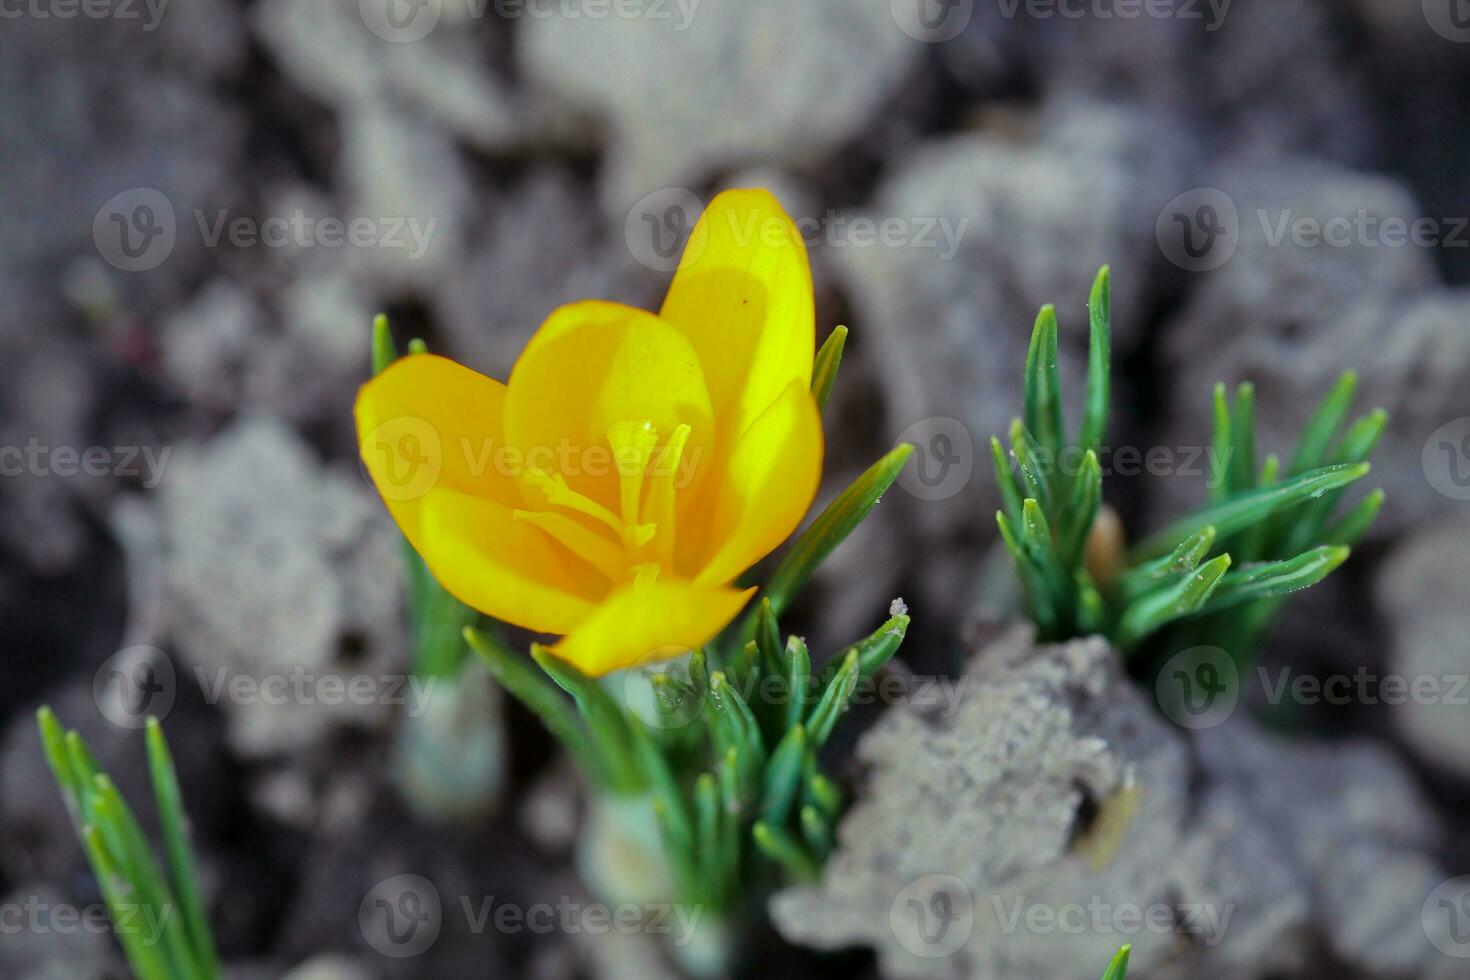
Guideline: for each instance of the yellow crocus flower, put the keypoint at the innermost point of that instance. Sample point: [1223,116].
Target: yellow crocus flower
[634,464]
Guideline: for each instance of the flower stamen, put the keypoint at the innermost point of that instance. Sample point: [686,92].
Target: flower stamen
[593,548]
[632,446]
[659,507]
[558,494]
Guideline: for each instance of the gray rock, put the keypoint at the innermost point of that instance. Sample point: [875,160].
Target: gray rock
[1423,590]
[407,176]
[1291,317]
[279,569]
[1056,815]
[773,97]
[49,937]
[328,49]
[162,132]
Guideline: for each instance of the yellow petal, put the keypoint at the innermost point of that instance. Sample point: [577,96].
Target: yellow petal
[768,484]
[492,562]
[427,421]
[649,622]
[594,366]
[743,297]
[429,432]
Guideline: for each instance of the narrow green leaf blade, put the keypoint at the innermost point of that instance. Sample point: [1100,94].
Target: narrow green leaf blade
[183,869]
[832,527]
[782,848]
[1099,362]
[1222,447]
[833,701]
[1355,523]
[543,700]
[1276,578]
[1171,602]
[1118,969]
[1311,450]
[783,776]
[1005,480]
[385,352]
[824,371]
[1042,391]
[1241,511]
[1242,466]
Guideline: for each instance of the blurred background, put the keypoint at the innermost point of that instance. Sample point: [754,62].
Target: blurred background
[204,202]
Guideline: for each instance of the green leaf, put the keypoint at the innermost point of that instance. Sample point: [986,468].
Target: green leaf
[1099,362]
[1171,602]
[1276,578]
[1222,448]
[783,776]
[147,960]
[664,788]
[824,371]
[1036,469]
[880,647]
[816,832]
[1242,467]
[1005,479]
[798,674]
[768,638]
[127,841]
[183,870]
[1080,512]
[1037,540]
[1182,560]
[53,743]
[417,346]
[543,700]
[1251,544]
[822,793]
[833,701]
[385,352]
[1043,606]
[1356,445]
[1355,523]
[1242,510]
[832,527]
[1311,450]
[1118,970]
[730,710]
[1042,392]
[707,825]
[782,848]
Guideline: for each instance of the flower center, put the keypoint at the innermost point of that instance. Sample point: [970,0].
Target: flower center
[637,540]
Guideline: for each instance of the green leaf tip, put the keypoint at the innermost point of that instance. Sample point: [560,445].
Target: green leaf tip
[383,348]
[829,359]
[1118,969]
